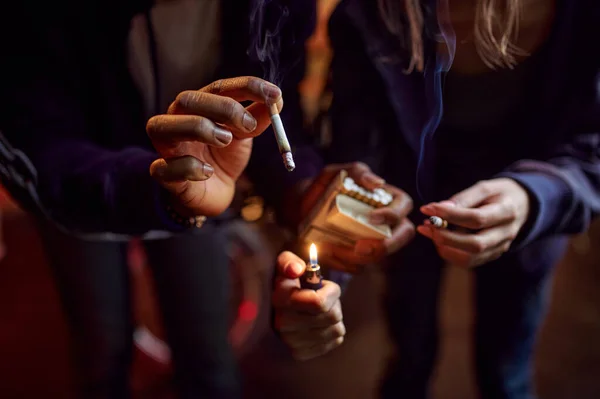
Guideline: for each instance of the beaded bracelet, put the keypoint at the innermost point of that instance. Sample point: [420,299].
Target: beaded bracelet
[187,222]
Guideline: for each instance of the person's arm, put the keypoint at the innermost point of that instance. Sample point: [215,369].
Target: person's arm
[45,110]
[565,189]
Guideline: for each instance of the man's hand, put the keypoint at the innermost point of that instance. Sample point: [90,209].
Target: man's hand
[493,210]
[394,215]
[205,141]
[310,322]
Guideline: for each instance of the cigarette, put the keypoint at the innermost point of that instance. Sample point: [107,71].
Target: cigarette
[438,222]
[281,138]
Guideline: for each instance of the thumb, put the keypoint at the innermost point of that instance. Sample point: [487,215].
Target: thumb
[290,265]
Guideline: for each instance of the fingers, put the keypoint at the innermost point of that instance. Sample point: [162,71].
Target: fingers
[171,130]
[180,169]
[401,236]
[486,216]
[476,194]
[473,243]
[223,110]
[397,210]
[310,322]
[288,297]
[457,257]
[246,88]
[290,265]
[295,321]
[306,338]
[304,354]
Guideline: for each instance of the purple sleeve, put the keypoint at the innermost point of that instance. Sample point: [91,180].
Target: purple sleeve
[565,190]
[81,185]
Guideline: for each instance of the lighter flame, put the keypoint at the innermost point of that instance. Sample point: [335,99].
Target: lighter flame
[313,254]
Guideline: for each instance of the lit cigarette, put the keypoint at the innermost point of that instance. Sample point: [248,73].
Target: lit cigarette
[282,141]
[438,222]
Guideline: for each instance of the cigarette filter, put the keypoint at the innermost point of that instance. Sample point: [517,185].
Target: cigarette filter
[438,222]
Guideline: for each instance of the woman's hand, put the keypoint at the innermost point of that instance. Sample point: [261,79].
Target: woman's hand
[309,322]
[205,141]
[364,251]
[493,210]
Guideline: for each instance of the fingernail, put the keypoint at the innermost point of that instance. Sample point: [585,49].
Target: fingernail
[207,170]
[271,92]
[223,136]
[448,203]
[376,219]
[293,270]
[249,122]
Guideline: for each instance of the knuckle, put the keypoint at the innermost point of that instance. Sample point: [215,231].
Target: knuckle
[215,87]
[335,315]
[510,209]
[478,245]
[321,305]
[484,187]
[153,124]
[192,164]
[479,220]
[232,109]
[204,126]
[339,330]
[186,98]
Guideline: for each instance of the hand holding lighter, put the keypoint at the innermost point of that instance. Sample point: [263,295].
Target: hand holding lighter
[312,278]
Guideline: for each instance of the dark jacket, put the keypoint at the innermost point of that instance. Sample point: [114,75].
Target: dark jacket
[69,103]
[381,113]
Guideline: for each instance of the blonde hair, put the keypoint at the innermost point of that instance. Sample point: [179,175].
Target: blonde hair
[494,32]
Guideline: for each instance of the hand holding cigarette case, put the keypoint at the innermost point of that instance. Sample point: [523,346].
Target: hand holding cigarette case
[341,215]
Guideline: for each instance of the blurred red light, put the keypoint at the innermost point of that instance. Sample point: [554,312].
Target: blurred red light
[247,311]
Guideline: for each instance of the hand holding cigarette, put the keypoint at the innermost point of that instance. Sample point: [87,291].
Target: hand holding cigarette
[309,321]
[204,141]
[488,217]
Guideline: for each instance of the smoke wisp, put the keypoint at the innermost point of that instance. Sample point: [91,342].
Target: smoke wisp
[267,20]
